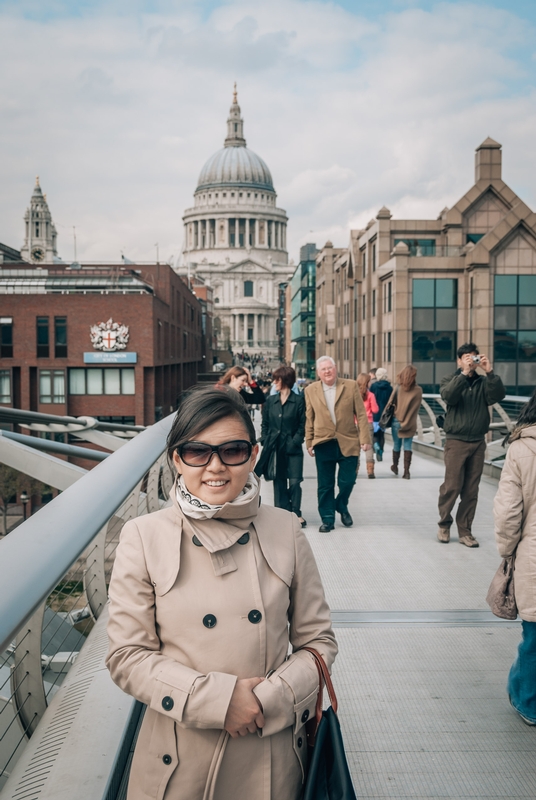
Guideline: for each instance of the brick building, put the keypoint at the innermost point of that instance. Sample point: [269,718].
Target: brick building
[111,341]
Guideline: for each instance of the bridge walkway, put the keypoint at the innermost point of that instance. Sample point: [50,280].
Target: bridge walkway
[423,664]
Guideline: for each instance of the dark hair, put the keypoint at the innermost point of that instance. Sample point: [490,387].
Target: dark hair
[286,375]
[527,415]
[201,407]
[406,377]
[466,349]
[234,372]
[373,370]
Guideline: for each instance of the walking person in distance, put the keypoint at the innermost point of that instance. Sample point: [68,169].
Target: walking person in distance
[371,407]
[406,399]
[515,534]
[468,396]
[382,390]
[333,406]
[283,430]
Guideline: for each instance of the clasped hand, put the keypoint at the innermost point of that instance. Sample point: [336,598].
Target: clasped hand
[244,714]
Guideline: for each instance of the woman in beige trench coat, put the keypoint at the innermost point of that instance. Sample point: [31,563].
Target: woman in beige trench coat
[515,533]
[205,598]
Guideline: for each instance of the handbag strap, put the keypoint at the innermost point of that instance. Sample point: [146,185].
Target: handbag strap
[323,677]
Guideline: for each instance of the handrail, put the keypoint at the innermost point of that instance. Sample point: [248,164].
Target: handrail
[48,446]
[45,546]
[20,415]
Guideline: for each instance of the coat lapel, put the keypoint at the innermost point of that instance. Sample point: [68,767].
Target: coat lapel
[339,390]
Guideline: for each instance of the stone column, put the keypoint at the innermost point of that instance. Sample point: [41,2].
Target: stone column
[246,234]
[255,331]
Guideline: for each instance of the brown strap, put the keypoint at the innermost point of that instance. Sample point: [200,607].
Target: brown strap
[323,677]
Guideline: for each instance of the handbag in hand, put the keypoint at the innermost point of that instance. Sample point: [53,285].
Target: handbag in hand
[386,419]
[501,596]
[328,776]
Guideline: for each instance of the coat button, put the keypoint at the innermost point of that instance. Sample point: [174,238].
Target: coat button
[167,759]
[196,541]
[244,539]
[167,703]
[299,742]
[254,616]
[305,716]
[209,621]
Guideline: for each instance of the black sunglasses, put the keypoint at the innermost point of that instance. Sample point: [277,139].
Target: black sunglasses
[232,454]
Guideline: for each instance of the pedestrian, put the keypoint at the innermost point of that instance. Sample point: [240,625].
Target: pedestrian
[371,407]
[283,431]
[372,375]
[382,390]
[468,396]
[206,597]
[406,398]
[239,378]
[515,534]
[333,407]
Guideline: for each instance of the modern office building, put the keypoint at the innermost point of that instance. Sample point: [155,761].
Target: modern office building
[302,310]
[412,291]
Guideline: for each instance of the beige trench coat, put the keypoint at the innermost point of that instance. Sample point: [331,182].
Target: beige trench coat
[515,518]
[185,624]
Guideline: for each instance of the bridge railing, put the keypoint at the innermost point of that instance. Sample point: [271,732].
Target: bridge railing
[54,576]
[502,420]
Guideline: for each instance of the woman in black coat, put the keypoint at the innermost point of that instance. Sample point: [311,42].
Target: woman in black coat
[283,429]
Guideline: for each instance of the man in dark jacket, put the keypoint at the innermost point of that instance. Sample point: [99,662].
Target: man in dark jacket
[468,396]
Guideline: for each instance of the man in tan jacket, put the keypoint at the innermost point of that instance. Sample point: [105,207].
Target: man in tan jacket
[332,436]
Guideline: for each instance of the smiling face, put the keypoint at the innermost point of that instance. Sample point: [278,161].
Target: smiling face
[218,483]
[238,382]
[327,372]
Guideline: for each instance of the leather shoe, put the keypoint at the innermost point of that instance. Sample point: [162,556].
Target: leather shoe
[326,527]
[346,519]
[469,541]
[443,535]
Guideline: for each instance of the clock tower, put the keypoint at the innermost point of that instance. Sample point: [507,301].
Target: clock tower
[40,240]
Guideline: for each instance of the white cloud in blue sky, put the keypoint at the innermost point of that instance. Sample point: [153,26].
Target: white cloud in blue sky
[117,105]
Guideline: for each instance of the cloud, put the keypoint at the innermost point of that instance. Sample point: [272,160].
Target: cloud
[118,108]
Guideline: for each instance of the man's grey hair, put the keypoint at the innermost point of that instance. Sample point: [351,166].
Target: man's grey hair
[324,358]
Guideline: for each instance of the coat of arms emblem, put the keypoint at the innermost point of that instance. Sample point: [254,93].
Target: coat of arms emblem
[109,336]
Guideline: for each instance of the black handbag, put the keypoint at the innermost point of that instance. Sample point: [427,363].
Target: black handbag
[328,776]
[386,419]
[271,466]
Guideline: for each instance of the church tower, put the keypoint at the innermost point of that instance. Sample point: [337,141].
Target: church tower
[40,233]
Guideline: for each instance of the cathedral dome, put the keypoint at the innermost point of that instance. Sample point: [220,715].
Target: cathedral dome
[235,166]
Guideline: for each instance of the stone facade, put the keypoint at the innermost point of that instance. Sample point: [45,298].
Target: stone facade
[235,240]
[412,291]
[40,233]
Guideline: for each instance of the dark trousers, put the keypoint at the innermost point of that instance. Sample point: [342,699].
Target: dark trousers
[464,462]
[379,437]
[288,491]
[328,455]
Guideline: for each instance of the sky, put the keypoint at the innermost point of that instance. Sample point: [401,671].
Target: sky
[353,104]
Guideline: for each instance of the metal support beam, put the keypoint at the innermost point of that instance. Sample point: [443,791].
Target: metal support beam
[48,446]
[47,469]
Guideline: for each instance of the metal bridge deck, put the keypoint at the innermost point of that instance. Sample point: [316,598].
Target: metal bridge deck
[422,691]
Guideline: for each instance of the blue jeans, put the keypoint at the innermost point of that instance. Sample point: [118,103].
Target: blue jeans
[521,682]
[397,440]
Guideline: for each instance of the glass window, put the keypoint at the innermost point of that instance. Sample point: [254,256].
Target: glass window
[423,293]
[527,345]
[60,337]
[423,319]
[248,288]
[527,318]
[51,386]
[527,290]
[419,247]
[445,346]
[505,345]
[473,237]
[446,319]
[94,381]
[58,386]
[425,372]
[527,377]
[45,386]
[5,386]
[127,381]
[505,290]
[77,381]
[506,318]
[42,337]
[6,337]
[423,346]
[507,372]
[443,368]
[446,291]
[112,383]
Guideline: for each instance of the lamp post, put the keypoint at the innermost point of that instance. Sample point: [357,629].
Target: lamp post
[24,500]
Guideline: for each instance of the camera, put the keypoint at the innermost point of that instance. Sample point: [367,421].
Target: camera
[476,359]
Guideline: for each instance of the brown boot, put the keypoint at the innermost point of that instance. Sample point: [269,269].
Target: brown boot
[370,469]
[396,459]
[407,464]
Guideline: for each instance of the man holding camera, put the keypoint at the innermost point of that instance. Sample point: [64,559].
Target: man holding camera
[468,396]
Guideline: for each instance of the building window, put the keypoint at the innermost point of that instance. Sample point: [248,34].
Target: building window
[374,257]
[387,298]
[364,263]
[5,386]
[60,337]
[419,247]
[373,353]
[6,337]
[52,386]
[42,337]
[96,380]
[364,314]
[248,288]
[435,325]
[515,332]
[346,347]
[473,237]
[387,347]
[374,302]
[363,348]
